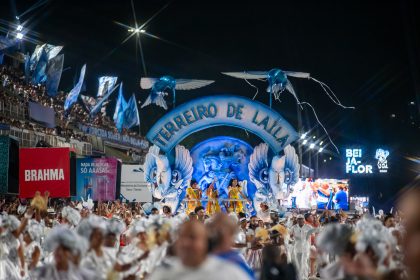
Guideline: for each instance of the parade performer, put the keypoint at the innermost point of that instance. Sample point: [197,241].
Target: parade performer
[9,266]
[300,234]
[193,194]
[235,195]
[32,248]
[213,200]
[67,246]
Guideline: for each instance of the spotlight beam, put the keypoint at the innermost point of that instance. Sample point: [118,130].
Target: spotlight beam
[33,7]
[142,57]
[134,13]
[155,15]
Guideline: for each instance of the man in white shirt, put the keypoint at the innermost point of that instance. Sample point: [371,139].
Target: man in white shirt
[193,261]
[300,235]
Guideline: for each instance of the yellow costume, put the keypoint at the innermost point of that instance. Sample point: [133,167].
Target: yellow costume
[235,193]
[195,196]
[213,204]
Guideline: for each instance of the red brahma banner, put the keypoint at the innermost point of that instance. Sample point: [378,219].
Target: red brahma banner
[44,169]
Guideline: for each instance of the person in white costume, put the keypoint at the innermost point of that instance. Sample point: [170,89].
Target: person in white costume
[193,261]
[67,247]
[300,236]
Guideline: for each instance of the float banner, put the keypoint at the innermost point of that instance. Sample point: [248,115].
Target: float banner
[4,163]
[44,169]
[96,178]
[133,185]
[222,110]
[42,114]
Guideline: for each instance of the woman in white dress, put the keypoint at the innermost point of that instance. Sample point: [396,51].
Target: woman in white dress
[31,246]
[8,269]
[67,247]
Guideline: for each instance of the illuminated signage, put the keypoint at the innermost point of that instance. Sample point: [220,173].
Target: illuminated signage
[360,161]
[381,155]
[354,163]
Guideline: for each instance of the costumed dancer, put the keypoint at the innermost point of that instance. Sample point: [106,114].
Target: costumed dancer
[8,269]
[213,200]
[115,227]
[70,217]
[235,195]
[104,265]
[300,234]
[68,247]
[159,239]
[193,194]
[31,242]
[14,228]
[254,240]
[137,250]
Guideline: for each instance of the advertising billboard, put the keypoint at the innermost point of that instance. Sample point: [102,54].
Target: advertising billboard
[44,169]
[133,185]
[96,178]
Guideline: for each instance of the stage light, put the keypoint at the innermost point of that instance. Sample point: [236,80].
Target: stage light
[19,28]
[325,160]
[311,146]
[303,136]
[17,17]
[304,142]
[136,30]
[412,103]
[330,158]
[19,36]
[314,137]
[322,142]
[321,149]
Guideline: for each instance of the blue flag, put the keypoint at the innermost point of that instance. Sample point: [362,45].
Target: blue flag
[131,113]
[98,105]
[106,83]
[36,55]
[55,68]
[27,72]
[121,104]
[74,93]
[39,75]
[39,60]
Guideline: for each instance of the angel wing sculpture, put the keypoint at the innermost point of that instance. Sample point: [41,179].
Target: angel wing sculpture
[277,79]
[161,86]
[273,181]
[258,173]
[166,182]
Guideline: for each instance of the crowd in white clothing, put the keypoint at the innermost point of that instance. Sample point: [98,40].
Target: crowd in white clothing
[122,241]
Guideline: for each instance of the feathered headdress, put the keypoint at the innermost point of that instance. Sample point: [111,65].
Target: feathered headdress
[40,202]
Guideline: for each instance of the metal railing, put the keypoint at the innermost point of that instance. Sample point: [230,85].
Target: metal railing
[226,202]
[13,111]
[28,139]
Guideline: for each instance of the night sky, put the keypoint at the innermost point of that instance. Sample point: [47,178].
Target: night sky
[366,51]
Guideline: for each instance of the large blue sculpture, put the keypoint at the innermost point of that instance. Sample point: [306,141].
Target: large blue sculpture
[265,176]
